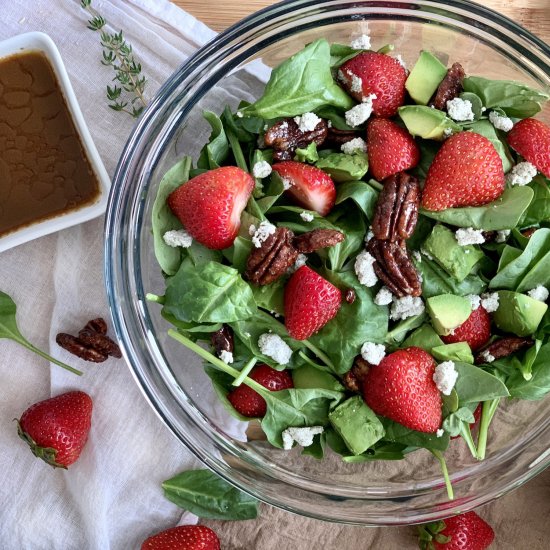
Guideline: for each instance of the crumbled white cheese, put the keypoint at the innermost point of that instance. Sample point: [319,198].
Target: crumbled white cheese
[261,169]
[226,356]
[440,432]
[329,123]
[262,233]
[272,345]
[302,436]
[408,306]
[487,357]
[301,260]
[239,114]
[178,237]
[401,61]
[364,269]
[445,377]
[287,183]
[373,353]
[500,122]
[307,216]
[369,235]
[361,42]
[417,256]
[502,235]
[353,146]
[426,253]
[475,300]
[448,132]
[489,301]
[522,174]
[539,293]
[307,122]
[384,297]
[360,113]
[460,109]
[356,84]
[469,235]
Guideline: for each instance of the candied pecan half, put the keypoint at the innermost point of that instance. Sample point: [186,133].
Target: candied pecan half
[396,211]
[99,342]
[97,325]
[285,137]
[73,345]
[353,379]
[222,339]
[502,348]
[339,137]
[272,260]
[317,239]
[450,87]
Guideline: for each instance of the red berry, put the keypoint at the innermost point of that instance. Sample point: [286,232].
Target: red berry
[475,331]
[310,303]
[467,171]
[380,75]
[185,537]
[401,388]
[531,139]
[210,205]
[57,429]
[250,403]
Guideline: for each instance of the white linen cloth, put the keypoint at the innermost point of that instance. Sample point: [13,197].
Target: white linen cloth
[111,497]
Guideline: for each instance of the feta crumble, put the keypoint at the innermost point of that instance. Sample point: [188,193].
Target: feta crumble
[502,235]
[361,42]
[408,306]
[475,300]
[364,269]
[262,233]
[360,113]
[354,145]
[226,356]
[539,293]
[301,260]
[307,216]
[460,110]
[487,357]
[272,345]
[287,184]
[302,436]
[356,84]
[373,353]
[369,235]
[384,297]
[522,174]
[261,169]
[401,61]
[239,114]
[489,301]
[178,237]
[440,432]
[307,122]
[445,377]
[448,132]
[468,235]
[500,122]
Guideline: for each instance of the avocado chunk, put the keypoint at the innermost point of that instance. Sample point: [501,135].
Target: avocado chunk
[518,313]
[342,167]
[448,312]
[459,351]
[308,377]
[357,425]
[458,261]
[424,338]
[426,122]
[425,77]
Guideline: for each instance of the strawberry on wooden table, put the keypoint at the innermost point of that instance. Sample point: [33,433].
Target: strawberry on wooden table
[210,205]
[57,429]
[467,171]
[531,139]
[475,331]
[184,537]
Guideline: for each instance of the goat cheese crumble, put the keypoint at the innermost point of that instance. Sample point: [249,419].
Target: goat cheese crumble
[489,301]
[460,110]
[440,432]
[424,252]
[373,353]
[417,256]
[384,297]
[261,169]
[500,122]
[539,293]
[178,237]
[226,356]
[445,377]
[522,174]
[401,62]
[272,345]
[468,235]
[354,145]
[475,300]
[302,436]
[502,235]
[361,42]
[301,260]
[487,357]
[287,184]
[262,233]
[360,113]
[364,269]
[307,122]
[356,84]
[369,235]
[307,216]
[408,306]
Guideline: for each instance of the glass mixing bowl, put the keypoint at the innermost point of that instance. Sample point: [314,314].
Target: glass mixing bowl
[233,67]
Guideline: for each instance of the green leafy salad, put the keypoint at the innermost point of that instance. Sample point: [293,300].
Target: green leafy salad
[362,256]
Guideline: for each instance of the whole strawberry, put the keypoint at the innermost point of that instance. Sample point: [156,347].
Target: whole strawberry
[391,149]
[464,532]
[467,171]
[185,537]
[57,429]
[250,403]
[379,74]
[310,303]
[210,205]
[475,331]
[401,388]
[531,139]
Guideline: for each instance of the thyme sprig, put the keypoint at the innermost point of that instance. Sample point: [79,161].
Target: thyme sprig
[118,54]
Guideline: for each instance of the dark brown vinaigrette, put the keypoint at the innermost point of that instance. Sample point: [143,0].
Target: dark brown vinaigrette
[44,170]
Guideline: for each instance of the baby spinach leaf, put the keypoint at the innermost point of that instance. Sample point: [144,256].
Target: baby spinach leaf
[398,333]
[424,338]
[340,53]
[272,191]
[475,100]
[271,297]
[428,150]
[364,196]
[353,226]
[539,209]
[208,496]
[201,255]
[539,384]
[336,117]
[399,434]
[216,150]
[474,384]
[453,423]
[238,253]
[299,85]
[246,130]
[460,351]
[486,129]
[381,451]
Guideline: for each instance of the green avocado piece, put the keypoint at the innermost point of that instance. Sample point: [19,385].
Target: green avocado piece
[518,313]
[486,129]
[357,425]
[459,351]
[456,260]
[342,167]
[424,338]
[448,311]
[426,122]
[308,377]
[425,77]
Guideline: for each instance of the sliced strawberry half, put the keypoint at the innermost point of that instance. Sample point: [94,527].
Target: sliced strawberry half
[309,186]
[475,331]
[210,205]
[531,139]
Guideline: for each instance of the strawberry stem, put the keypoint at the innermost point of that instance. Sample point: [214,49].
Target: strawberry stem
[322,355]
[244,372]
[154,298]
[487,412]
[443,465]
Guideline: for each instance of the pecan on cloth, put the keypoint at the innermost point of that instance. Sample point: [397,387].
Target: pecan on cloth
[396,211]
[450,87]
[317,239]
[502,348]
[285,137]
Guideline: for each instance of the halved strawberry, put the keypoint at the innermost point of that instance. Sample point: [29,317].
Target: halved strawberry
[184,537]
[309,186]
[391,149]
[310,303]
[467,171]
[531,139]
[475,331]
[210,205]
[380,75]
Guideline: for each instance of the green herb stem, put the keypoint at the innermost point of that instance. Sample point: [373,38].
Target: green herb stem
[320,354]
[150,297]
[487,413]
[245,371]
[443,465]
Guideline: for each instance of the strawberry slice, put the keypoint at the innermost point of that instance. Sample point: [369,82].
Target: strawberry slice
[210,205]
[467,171]
[379,74]
[531,139]
[475,331]
[391,149]
[310,303]
[309,186]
